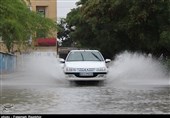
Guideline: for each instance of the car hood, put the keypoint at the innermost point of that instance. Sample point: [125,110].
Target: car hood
[85,64]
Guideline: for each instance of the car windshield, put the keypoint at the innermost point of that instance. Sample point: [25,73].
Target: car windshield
[85,56]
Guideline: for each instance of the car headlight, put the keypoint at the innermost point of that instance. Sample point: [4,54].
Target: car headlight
[68,69]
[101,69]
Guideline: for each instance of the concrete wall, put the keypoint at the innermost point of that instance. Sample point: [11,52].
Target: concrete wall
[7,62]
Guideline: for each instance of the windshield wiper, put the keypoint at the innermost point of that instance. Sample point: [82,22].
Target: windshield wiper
[82,57]
[96,56]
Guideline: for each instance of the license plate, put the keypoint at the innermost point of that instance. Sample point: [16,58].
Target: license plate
[86,74]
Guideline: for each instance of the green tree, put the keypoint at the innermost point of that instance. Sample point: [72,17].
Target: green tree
[117,25]
[82,35]
[63,33]
[17,23]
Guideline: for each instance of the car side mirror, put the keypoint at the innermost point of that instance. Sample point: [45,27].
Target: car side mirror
[108,60]
[62,60]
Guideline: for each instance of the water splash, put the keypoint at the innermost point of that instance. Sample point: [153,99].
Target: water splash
[44,63]
[40,68]
[135,68]
[127,68]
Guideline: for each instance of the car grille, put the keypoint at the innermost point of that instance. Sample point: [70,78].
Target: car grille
[78,75]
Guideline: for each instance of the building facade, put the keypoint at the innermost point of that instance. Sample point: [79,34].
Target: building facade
[48,8]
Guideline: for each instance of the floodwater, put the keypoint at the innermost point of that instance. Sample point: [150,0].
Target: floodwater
[136,84]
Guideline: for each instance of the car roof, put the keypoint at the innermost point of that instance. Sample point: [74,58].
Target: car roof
[84,50]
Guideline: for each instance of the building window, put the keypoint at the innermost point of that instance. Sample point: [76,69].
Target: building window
[41,10]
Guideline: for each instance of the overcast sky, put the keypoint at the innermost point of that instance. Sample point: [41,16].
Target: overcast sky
[64,7]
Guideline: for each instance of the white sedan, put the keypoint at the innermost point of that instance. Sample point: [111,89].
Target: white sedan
[87,65]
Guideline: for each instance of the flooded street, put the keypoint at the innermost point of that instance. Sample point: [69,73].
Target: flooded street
[39,87]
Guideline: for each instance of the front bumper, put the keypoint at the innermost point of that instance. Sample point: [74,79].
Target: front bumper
[77,77]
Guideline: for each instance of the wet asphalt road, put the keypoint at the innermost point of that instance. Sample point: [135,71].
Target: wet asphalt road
[61,97]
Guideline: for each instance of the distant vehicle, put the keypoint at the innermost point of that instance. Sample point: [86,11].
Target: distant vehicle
[82,65]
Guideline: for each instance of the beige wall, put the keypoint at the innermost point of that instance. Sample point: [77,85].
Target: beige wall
[51,7]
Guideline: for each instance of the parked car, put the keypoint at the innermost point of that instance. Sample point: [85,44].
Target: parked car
[85,65]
